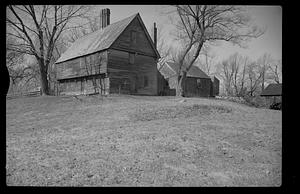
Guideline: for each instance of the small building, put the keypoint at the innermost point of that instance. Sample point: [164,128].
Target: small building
[197,82]
[272,93]
[119,58]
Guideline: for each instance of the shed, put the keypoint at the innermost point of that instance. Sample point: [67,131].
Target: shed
[272,90]
[197,82]
[272,93]
[119,58]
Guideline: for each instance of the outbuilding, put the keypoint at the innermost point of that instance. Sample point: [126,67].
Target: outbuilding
[197,84]
[272,93]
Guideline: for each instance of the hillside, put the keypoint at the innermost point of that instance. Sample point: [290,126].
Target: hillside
[141,141]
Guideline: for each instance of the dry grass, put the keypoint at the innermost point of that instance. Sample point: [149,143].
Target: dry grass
[141,141]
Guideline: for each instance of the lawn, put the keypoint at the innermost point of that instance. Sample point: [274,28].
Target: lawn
[141,141]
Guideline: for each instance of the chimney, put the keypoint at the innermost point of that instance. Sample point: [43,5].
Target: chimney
[104,18]
[155,35]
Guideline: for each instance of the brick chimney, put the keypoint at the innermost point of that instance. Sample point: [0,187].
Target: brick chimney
[104,18]
[155,35]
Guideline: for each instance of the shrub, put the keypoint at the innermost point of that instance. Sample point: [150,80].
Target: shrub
[256,101]
[276,106]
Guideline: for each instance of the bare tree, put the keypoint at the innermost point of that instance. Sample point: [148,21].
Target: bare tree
[264,63]
[254,76]
[163,48]
[233,73]
[199,24]
[20,71]
[208,61]
[224,70]
[234,61]
[276,71]
[242,79]
[45,24]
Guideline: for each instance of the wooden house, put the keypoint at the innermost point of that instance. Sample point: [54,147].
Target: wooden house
[272,93]
[119,58]
[197,82]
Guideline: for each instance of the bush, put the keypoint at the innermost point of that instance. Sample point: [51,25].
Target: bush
[256,101]
[276,106]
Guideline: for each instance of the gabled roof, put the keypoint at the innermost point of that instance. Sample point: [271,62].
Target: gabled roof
[272,90]
[170,69]
[99,40]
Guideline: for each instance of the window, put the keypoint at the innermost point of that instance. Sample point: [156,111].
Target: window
[133,37]
[145,81]
[199,83]
[131,58]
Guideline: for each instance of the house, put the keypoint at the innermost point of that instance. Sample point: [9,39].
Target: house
[119,58]
[272,93]
[197,82]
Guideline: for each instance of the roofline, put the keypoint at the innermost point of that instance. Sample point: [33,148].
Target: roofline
[148,36]
[170,67]
[82,56]
[123,29]
[97,31]
[198,77]
[167,62]
[137,15]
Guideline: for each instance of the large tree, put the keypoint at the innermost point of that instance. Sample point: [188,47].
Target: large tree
[200,24]
[37,29]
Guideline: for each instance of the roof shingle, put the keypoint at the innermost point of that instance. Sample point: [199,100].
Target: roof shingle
[272,90]
[96,41]
[170,69]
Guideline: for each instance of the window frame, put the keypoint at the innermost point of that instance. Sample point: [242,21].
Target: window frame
[198,82]
[131,58]
[133,37]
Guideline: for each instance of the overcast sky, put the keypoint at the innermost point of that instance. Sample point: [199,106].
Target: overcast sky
[269,17]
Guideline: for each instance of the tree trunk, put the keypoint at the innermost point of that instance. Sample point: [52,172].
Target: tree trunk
[263,80]
[180,85]
[44,80]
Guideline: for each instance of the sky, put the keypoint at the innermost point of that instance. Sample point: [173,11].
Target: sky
[268,17]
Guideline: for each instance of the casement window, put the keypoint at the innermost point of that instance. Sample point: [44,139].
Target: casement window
[199,83]
[131,58]
[133,35]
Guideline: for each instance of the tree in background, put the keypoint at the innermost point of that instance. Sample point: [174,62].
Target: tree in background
[43,24]
[239,73]
[199,24]
[264,63]
[242,77]
[254,76]
[21,72]
[207,61]
[226,71]
[276,71]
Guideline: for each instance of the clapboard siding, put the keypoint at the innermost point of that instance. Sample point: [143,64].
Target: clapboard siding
[92,64]
[193,89]
[126,77]
[191,86]
[84,85]
[128,65]
[142,44]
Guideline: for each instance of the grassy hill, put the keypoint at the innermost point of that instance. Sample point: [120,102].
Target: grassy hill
[141,141]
